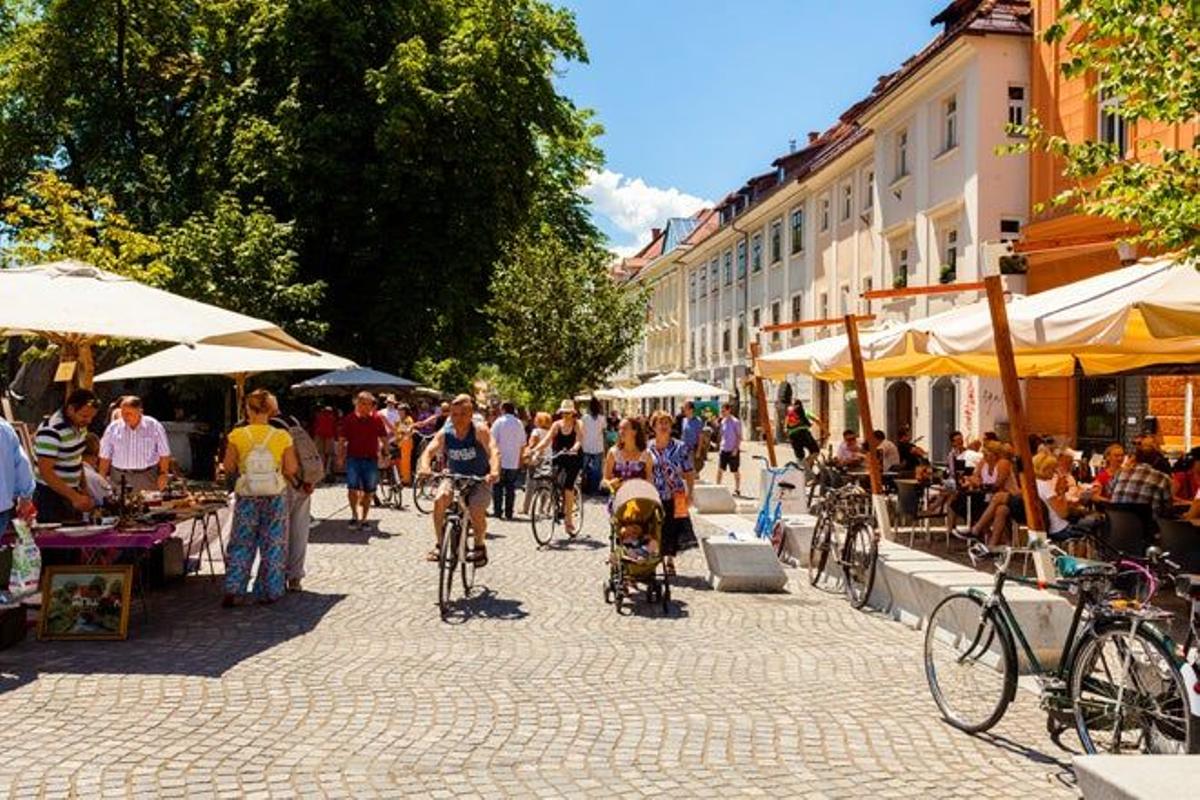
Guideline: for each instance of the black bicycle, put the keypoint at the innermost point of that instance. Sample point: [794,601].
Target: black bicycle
[846,510]
[389,493]
[547,505]
[456,552]
[1118,681]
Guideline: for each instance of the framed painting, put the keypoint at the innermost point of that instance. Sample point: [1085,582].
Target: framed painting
[86,602]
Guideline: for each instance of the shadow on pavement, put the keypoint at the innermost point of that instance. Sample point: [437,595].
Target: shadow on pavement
[1030,754]
[188,633]
[483,604]
[338,531]
[578,543]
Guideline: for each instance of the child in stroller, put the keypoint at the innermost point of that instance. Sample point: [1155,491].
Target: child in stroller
[635,545]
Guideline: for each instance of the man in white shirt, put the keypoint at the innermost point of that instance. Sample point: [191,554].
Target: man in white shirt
[849,452]
[593,424]
[391,413]
[889,454]
[509,435]
[134,450]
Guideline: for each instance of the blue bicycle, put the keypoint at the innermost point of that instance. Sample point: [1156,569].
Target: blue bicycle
[769,524]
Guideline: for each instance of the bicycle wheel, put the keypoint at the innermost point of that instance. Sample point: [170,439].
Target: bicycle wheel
[779,540]
[859,556]
[468,566]
[970,662]
[422,494]
[819,547]
[542,511]
[576,525]
[1128,695]
[447,561]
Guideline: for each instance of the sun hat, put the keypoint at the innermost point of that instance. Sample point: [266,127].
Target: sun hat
[566,407]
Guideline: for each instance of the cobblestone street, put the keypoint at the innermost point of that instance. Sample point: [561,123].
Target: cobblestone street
[356,688]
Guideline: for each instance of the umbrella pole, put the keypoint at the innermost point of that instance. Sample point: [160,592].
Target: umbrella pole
[1016,408]
[239,382]
[864,416]
[764,418]
[1188,406]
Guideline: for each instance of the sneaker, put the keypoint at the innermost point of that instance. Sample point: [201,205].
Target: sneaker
[354,524]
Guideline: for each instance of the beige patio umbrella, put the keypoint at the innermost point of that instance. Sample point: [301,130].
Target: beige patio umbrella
[238,363]
[75,304]
[674,385]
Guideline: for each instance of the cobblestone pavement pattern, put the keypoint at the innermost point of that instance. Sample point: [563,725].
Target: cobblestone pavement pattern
[356,688]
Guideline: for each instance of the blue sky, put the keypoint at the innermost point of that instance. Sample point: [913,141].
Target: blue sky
[698,95]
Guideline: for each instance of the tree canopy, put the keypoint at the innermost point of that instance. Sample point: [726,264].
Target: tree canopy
[1147,54]
[349,169]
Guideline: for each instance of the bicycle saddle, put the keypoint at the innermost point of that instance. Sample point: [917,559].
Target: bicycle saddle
[785,485]
[1072,567]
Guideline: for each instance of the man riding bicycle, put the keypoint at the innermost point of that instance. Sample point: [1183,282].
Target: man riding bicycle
[469,450]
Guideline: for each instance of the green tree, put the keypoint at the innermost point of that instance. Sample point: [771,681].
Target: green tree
[1147,53]
[561,324]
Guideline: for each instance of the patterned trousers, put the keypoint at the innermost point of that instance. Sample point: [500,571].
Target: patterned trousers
[259,527]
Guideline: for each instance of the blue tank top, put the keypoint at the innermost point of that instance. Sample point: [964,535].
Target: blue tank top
[465,456]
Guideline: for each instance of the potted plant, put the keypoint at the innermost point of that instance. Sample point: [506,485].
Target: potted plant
[900,280]
[948,273]
[1014,265]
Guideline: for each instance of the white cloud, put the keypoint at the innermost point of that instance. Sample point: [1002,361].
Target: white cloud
[634,207]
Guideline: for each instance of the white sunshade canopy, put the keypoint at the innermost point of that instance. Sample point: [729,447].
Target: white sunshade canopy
[215,359]
[668,386]
[615,393]
[70,298]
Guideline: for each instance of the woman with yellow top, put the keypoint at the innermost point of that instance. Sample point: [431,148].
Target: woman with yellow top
[404,441]
[264,461]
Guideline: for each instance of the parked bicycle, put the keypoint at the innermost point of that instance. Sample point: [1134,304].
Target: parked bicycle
[547,505]
[1118,680]
[458,539]
[846,529]
[769,524]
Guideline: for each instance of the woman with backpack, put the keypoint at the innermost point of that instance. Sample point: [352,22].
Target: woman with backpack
[264,460]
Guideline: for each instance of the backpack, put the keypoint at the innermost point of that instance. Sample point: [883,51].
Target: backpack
[260,473]
[312,466]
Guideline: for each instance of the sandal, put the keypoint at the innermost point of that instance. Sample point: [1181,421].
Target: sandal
[433,555]
[478,556]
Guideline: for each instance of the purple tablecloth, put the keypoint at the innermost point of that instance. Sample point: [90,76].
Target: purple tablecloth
[144,539]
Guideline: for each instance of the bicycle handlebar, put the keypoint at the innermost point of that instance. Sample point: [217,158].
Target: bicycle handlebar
[779,470]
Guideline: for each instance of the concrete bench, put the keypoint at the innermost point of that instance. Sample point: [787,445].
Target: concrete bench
[708,498]
[1137,777]
[736,565]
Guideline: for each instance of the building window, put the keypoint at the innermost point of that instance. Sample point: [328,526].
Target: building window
[869,190]
[755,318]
[756,253]
[797,313]
[741,259]
[1016,107]
[823,305]
[949,271]
[776,318]
[1112,126]
[900,268]
[776,241]
[728,267]
[847,201]
[846,309]
[949,124]
[704,345]
[901,155]
[715,281]
[824,213]
[868,285]
[741,333]
[798,230]
[1010,230]
[692,286]
[725,338]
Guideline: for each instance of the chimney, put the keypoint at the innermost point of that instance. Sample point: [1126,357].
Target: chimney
[813,136]
[655,233]
[791,145]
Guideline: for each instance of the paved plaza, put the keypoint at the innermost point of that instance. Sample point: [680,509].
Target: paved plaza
[535,688]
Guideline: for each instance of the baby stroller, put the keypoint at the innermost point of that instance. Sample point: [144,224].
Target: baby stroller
[635,546]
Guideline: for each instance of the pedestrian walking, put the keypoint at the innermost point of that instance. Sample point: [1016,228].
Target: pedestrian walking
[264,461]
[730,458]
[363,442]
[691,429]
[674,478]
[509,435]
[593,425]
[325,426]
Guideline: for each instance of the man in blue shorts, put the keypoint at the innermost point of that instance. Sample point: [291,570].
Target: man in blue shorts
[361,441]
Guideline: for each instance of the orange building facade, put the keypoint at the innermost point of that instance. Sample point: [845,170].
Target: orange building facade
[1063,246]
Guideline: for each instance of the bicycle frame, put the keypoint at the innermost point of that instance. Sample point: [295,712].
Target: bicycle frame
[768,516]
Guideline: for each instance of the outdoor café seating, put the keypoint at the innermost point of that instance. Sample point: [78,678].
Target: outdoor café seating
[1180,539]
[1130,528]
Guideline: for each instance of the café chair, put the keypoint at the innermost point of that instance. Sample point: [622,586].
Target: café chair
[1127,531]
[912,508]
[1181,540]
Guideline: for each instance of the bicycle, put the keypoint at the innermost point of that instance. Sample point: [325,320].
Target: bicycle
[1118,674]
[390,491]
[769,524]
[458,541]
[547,504]
[424,489]
[847,507]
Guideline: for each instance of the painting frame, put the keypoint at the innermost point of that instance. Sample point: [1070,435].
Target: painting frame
[55,583]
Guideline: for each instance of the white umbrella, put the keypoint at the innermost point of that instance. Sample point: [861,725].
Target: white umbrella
[675,387]
[215,359]
[615,393]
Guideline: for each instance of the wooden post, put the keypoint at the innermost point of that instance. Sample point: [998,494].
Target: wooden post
[239,381]
[761,398]
[1012,397]
[864,404]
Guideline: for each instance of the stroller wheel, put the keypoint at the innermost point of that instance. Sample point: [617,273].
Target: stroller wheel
[608,593]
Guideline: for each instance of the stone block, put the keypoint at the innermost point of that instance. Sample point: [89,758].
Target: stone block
[795,502]
[708,498]
[1135,777]
[740,566]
